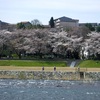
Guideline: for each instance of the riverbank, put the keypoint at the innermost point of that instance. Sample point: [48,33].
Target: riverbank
[50,74]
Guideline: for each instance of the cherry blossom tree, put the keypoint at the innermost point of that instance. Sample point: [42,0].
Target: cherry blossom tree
[91,46]
[50,42]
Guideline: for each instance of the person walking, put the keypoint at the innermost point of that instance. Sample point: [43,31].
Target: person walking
[54,68]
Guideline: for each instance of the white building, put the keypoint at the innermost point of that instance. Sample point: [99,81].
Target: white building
[64,22]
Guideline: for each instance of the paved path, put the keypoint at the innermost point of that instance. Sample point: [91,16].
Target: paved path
[73,63]
[65,69]
[19,68]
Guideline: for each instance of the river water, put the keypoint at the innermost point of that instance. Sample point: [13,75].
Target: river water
[48,90]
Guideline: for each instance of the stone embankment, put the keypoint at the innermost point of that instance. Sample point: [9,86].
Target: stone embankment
[54,75]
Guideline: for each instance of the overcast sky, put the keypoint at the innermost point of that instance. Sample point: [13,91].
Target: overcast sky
[14,11]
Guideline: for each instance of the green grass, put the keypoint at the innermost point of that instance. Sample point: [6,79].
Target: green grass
[32,63]
[90,64]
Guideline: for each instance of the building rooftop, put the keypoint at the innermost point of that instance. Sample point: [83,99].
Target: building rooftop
[66,19]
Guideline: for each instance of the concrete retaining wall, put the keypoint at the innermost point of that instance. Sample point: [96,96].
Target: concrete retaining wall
[50,75]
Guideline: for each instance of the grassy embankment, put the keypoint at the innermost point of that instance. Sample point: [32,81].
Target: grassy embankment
[32,65]
[89,64]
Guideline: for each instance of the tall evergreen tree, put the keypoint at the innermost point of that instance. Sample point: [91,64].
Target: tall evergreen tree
[51,22]
[20,26]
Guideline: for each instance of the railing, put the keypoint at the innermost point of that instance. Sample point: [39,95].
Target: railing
[78,69]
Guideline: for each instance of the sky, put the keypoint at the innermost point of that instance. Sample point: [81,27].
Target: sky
[14,11]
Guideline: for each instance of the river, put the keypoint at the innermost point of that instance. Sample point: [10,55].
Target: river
[11,89]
